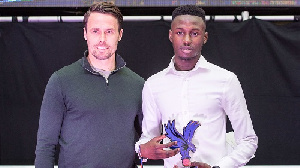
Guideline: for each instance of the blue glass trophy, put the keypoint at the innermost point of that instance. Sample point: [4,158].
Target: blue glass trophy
[184,141]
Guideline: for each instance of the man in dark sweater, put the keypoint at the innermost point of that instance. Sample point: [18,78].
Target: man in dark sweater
[92,108]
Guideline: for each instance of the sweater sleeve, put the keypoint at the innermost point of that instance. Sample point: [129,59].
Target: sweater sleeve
[51,116]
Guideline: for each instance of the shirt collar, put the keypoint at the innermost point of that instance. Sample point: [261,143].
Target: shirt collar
[201,64]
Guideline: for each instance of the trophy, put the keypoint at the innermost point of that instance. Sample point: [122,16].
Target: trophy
[184,141]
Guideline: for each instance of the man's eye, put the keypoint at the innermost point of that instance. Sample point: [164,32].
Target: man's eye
[108,31]
[194,34]
[179,33]
[95,31]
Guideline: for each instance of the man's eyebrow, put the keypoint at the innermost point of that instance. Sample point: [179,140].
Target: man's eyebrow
[96,28]
[183,28]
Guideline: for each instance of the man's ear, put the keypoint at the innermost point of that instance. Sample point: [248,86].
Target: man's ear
[120,35]
[170,35]
[84,34]
[205,37]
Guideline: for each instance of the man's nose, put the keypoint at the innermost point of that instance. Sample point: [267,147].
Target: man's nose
[102,37]
[187,39]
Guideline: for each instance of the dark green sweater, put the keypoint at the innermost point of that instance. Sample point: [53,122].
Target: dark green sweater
[94,121]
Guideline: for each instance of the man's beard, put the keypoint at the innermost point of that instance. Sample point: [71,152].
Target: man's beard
[99,57]
[188,58]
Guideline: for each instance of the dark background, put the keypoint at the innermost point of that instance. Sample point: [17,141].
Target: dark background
[264,55]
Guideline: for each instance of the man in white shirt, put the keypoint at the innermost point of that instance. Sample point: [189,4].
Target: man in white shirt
[192,89]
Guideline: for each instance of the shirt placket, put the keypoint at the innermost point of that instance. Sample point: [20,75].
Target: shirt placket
[184,97]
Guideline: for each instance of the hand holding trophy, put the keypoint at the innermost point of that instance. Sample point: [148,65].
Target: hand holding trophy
[184,141]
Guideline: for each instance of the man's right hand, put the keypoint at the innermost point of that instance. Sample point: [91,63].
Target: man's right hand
[154,150]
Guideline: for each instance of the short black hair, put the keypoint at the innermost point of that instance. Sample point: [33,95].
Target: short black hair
[105,8]
[189,10]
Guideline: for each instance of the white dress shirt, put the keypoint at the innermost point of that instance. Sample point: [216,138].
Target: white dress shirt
[206,94]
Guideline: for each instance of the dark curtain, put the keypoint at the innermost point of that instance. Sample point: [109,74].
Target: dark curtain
[266,58]
[264,55]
